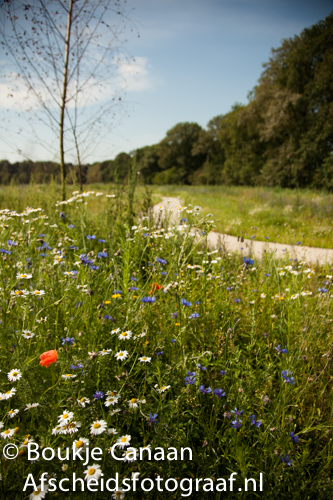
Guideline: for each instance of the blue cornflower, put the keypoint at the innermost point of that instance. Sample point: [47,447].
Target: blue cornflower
[41,235]
[91,237]
[237,300]
[161,261]
[117,292]
[255,422]
[133,279]
[202,368]
[237,412]
[229,288]
[163,273]
[152,419]
[100,255]
[73,247]
[286,460]
[76,367]
[191,374]
[100,240]
[174,315]
[11,243]
[184,219]
[194,315]
[288,379]
[185,302]
[236,424]
[173,340]
[144,234]
[219,393]
[322,290]
[46,246]
[281,351]
[106,316]
[148,299]
[7,252]
[190,380]
[223,372]
[71,226]
[252,237]
[133,288]
[293,437]
[67,340]
[265,334]
[98,395]
[197,302]
[205,391]
[267,237]
[62,215]
[267,274]
[248,261]
[160,353]
[298,242]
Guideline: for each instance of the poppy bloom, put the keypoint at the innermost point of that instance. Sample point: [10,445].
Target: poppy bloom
[154,287]
[48,357]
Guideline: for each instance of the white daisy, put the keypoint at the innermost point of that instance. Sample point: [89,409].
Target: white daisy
[129,455]
[93,472]
[111,400]
[26,442]
[38,292]
[98,427]
[83,402]
[9,394]
[123,441]
[66,417]
[28,406]
[144,359]
[112,431]
[115,411]
[12,413]
[7,434]
[23,276]
[68,376]
[72,427]
[57,430]
[263,295]
[163,388]
[39,494]
[118,495]
[19,293]
[104,352]
[81,444]
[27,334]
[134,403]
[125,335]
[117,330]
[14,375]
[121,355]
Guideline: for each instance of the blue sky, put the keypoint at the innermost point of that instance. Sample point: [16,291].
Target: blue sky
[194,60]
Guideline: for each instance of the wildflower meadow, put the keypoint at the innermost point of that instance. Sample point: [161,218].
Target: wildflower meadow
[136,362]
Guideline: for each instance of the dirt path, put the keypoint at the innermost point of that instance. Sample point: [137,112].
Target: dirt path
[257,249]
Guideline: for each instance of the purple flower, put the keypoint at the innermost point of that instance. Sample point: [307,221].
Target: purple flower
[7,252]
[194,316]
[62,215]
[133,279]
[255,422]
[117,291]
[202,368]
[71,226]
[286,460]
[106,316]
[98,395]
[67,340]
[281,351]
[223,372]
[198,302]
[190,380]
[173,340]
[133,288]
[73,247]
[237,412]
[76,367]
[161,261]
[288,379]
[185,302]
[163,273]
[236,424]
[293,437]
[11,243]
[94,268]
[91,237]
[322,290]
[100,240]
[267,274]
[237,300]
[229,288]
[174,315]
[152,419]
[148,299]
[101,255]
[160,353]
[205,391]
[219,393]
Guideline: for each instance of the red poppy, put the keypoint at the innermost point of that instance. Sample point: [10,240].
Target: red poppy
[154,287]
[48,357]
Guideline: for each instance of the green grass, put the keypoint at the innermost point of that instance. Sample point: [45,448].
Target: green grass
[285,216]
[234,319]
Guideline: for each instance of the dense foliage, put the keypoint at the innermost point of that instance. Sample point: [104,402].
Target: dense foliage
[140,336]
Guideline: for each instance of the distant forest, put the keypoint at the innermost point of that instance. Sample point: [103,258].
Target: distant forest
[282,137]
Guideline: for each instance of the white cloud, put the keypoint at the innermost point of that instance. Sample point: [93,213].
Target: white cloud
[135,75]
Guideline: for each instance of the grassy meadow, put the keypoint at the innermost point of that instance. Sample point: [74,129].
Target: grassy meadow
[121,333]
[283,215]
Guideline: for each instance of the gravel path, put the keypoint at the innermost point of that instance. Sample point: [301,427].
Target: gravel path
[257,249]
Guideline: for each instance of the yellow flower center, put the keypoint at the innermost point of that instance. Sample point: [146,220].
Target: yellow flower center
[124,334]
[25,443]
[19,292]
[65,415]
[68,375]
[37,492]
[133,400]
[121,353]
[28,334]
[91,471]
[14,374]
[97,426]
[123,440]
[162,388]
[144,359]
[72,425]
[23,275]
[11,411]
[79,444]
[82,399]
[8,392]
[7,432]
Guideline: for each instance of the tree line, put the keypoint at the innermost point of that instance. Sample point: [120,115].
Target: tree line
[282,137]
